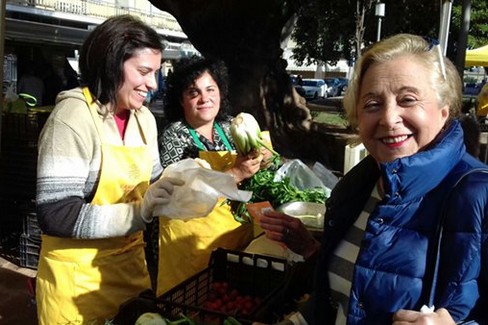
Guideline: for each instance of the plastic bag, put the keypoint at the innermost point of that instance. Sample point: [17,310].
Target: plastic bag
[325,175]
[10,98]
[201,191]
[301,176]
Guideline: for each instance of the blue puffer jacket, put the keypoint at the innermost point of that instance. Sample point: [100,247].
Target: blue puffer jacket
[396,249]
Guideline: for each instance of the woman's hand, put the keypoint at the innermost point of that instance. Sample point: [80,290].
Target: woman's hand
[290,231]
[267,158]
[158,193]
[441,316]
[246,166]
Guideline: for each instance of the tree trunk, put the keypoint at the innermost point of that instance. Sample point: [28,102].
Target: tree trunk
[247,36]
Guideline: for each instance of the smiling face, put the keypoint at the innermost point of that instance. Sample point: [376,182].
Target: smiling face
[397,110]
[139,79]
[201,101]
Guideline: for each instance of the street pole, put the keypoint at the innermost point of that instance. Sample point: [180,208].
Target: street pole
[463,38]
[444,24]
[378,35]
[380,13]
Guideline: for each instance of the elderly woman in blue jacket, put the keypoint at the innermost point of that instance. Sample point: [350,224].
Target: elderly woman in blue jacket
[405,227]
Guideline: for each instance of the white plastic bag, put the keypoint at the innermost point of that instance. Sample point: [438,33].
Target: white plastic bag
[325,175]
[201,191]
[10,94]
[301,176]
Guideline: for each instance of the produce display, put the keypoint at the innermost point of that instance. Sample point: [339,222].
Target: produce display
[150,319]
[264,188]
[236,287]
[247,136]
[225,299]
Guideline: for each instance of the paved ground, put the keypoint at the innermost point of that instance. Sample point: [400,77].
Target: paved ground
[17,306]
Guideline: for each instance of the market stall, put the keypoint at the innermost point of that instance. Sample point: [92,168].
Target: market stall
[477,57]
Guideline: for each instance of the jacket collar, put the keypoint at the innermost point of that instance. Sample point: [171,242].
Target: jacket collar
[413,176]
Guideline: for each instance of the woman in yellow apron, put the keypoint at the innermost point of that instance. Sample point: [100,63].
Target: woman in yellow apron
[198,111]
[482,103]
[97,155]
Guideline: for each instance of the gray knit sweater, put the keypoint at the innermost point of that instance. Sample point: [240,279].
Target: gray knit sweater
[68,170]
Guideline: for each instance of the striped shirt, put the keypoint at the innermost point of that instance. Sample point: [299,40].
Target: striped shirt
[341,266]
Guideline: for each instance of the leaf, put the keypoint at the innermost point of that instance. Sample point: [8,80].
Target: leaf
[264,188]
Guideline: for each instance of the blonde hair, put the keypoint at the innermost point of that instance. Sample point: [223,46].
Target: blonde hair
[445,78]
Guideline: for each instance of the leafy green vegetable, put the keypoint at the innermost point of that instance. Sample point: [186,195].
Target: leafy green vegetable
[264,188]
[184,320]
[150,319]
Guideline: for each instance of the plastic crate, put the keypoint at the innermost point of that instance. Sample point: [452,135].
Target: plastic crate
[31,226]
[250,274]
[23,126]
[29,251]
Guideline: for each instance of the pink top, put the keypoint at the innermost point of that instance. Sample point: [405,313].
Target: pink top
[121,120]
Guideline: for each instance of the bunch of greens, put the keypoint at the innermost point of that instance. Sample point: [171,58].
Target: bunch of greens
[264,188]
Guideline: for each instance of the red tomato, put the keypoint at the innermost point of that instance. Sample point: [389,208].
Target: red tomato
[218,303]
[233,294]
[231,306]
[248,305]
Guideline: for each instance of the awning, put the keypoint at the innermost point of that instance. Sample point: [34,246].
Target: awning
[477,57]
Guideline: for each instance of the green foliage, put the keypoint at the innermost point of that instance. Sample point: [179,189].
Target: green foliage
[335,119]
[326,29]
[478,28]
[264,188]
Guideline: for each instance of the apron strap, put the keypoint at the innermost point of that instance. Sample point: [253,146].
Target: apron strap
[223,137]
[220,132]
[93,111]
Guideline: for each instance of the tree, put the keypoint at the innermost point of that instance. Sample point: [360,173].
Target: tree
[478,30]
[338,24]
[247,36]
[329,30]
[324,31]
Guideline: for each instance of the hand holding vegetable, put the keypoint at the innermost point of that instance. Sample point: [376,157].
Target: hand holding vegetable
[158,193]
[268,158]
[246,166]
[290,231]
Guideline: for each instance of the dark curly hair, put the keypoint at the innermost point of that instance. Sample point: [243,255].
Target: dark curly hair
[107,47]
[185,72]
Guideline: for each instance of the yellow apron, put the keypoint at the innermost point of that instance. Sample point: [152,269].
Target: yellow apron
[482,109]
[85,281]
[185,246]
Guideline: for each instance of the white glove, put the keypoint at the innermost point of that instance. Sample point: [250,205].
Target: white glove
[158,193]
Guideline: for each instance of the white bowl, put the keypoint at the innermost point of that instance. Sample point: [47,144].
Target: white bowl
[310,213]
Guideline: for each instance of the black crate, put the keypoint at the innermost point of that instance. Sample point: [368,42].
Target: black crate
[29,251]
[12,216]
[23,126]
[250,274]
[483,127]
[31,226]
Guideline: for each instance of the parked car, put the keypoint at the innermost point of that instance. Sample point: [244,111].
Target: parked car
[472,88]
[333,86]
[314,88]
[343,85]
